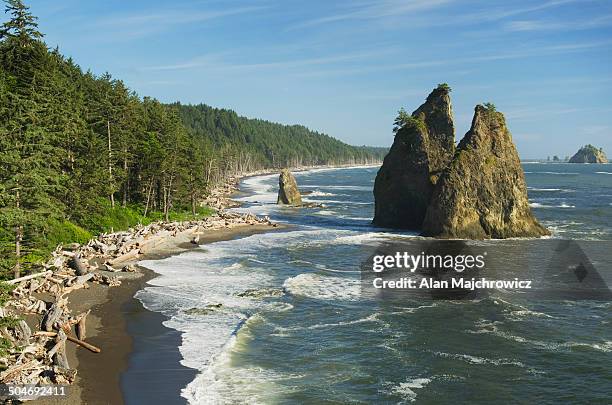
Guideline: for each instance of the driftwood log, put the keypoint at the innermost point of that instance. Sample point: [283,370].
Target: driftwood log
[51,317]
[79,342]
[58,352]
[31,276]
[81,326]
[77,265]
[132,254]
[22,332]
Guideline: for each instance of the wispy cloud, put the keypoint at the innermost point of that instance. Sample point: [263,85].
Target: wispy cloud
[171,17]
[134,26]
[216,61]
[506,12]
[491,57]
[375,10]
[547,25]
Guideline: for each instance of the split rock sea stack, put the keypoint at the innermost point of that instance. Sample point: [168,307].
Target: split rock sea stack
[288,193]
[482,194]
[423,146]
[589,154]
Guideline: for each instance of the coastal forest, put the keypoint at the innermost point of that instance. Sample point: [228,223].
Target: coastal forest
[81,153]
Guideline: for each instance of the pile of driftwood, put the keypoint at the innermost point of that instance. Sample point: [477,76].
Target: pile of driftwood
[219,197]
[39,357]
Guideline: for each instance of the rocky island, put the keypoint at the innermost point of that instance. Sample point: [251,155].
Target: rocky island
[474,191]
[424,145]
[589,154]
[288,192]
[482,194]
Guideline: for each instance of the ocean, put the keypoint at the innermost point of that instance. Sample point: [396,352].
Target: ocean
[280,317]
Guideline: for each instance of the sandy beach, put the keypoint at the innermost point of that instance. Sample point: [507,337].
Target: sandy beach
[128,334]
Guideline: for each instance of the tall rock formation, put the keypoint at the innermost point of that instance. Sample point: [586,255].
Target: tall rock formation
[482,194]
[589,154]
[423,146]
[288,193]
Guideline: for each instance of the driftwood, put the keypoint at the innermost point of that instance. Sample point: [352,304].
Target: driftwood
[86,345]
[22,332]
[53,315]
[81,327]
[79,342]
[18,368]
[132,254]
[77,265]
[71,268]
[31,276]
[59,350]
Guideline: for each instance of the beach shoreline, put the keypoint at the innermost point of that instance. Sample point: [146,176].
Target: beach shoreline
[100,378]
[108,377]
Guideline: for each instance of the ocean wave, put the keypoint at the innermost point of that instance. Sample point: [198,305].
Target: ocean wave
[345,202]
[370,318]
[222,383]
[406,389]
[603,172]
[323,287]
[563,190]
[318,193]
[493,329]
[539,205]
[480,360]
[555,173]
[337,187]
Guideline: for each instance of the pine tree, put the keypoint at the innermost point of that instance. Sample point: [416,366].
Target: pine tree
[22,25]
[29,157]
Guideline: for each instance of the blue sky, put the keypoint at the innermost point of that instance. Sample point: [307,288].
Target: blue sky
[346,67]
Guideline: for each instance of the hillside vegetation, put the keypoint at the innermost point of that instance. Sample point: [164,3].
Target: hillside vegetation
[81,153]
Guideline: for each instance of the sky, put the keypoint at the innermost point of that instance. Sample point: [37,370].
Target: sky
[346,67]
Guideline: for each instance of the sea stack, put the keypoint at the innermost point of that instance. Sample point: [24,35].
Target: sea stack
[424,145]
[589,154]
[482,194]
[288,193]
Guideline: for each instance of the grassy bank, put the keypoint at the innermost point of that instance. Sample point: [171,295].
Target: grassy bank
[55,231]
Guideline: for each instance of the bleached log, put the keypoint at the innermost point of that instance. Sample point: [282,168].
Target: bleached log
[77,264]
[81,326]
[31,276]
[79,283]
[53,315]
[22,332]
[59,357]
[132,254]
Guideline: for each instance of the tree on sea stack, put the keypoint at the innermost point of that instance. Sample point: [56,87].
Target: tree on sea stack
[423,146]
[288,192]
[482,194]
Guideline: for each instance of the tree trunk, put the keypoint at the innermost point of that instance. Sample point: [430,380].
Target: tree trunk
[148,197]
[165,198]
[126,184]
[18,239]
[110,164]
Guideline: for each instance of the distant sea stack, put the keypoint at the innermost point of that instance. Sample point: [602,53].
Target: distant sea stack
[589,154]
[482,194]
[288,193]
[424,145]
